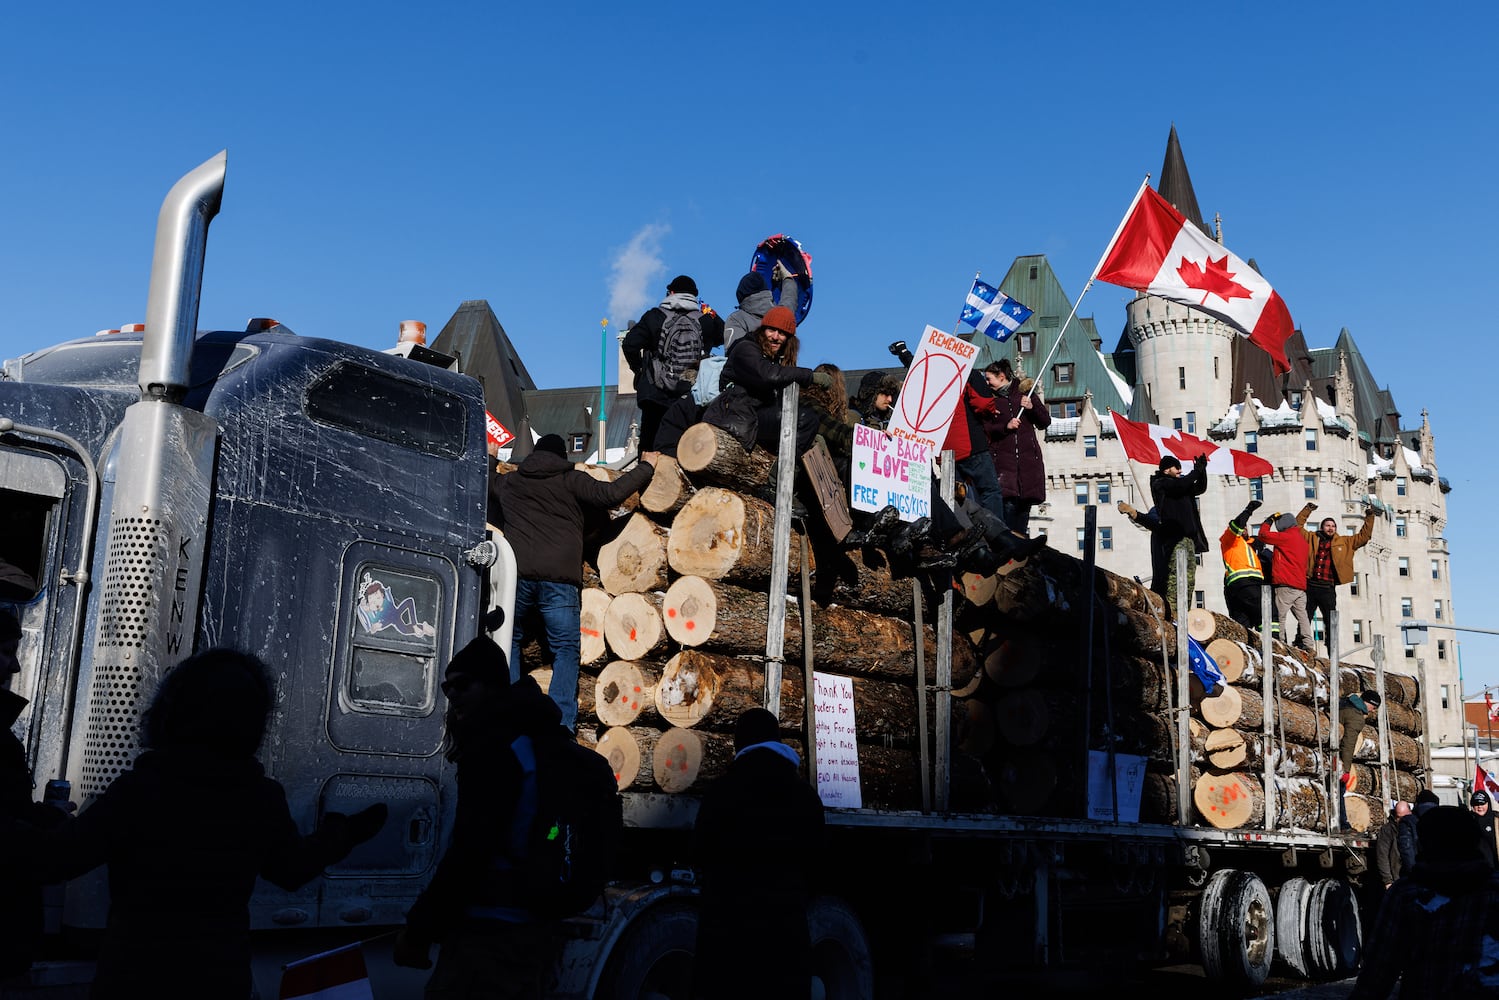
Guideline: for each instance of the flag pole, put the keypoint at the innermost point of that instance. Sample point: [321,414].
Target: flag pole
[959,324]
[1036,381]
[603,451]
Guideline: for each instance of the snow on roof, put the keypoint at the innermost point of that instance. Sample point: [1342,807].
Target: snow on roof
[1284,415]
[1125,390]
[1413,459]
[1063,427]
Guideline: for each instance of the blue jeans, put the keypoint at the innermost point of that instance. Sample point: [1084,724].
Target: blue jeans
[978,470]
[560,606]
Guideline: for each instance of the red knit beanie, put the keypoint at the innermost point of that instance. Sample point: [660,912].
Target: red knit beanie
[780,318]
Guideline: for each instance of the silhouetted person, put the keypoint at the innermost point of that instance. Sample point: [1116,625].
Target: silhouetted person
[759,837]
[1483,815]
[1387,845]
[1436,921]
[492,946]
[1175,496]
[1406,840]
[185,832]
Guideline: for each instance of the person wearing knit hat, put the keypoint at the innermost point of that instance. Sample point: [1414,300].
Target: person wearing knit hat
[1175,496]
[540,506]
[1483,814]
[759,365]
[663,349]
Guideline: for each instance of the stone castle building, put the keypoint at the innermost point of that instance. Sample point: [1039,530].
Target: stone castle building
[1335,438]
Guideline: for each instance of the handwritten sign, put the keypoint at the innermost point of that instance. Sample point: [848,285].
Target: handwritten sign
[837,747]
[933,386]
[1129,779]
[889,470]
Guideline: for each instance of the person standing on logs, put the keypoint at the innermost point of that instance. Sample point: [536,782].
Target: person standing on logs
[759,838]
[1013,447]
[1175,497]
[1243,576]
[1354,711]
[763,362]
[1329,563]
[664,349]
[540,507]
[1288,574]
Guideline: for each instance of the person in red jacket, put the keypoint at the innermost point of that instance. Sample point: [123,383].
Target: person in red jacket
[1288,574]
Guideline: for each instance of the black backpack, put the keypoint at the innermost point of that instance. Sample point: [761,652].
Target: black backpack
[678,348]
[574,833]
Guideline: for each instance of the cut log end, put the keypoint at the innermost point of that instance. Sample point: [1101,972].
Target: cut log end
[690,610]
[678,758]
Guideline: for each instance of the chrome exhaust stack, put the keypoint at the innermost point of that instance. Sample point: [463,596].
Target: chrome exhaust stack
[177,279]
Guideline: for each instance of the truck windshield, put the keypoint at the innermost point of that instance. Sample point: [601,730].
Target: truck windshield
[23,544]
[116,363]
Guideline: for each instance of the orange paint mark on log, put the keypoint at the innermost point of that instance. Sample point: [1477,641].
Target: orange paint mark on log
[691,625]
[592,633]
[671,612]
[632,635]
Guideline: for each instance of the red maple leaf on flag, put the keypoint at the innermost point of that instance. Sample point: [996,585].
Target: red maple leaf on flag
[1215,279]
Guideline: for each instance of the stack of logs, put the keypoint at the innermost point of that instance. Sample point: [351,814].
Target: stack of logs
[674,618]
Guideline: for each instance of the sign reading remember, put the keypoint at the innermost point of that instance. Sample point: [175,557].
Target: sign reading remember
[837,747]
[888,470]
[934,385]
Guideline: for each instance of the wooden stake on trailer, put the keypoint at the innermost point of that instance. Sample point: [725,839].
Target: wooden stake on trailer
[809,666]
[944,663]
[1183,693]
[1269,691]
[921,689]
[1334,732]
[1384,720]
[780,552]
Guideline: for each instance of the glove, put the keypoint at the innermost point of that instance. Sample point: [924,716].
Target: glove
[898,348]
[1252,506]
[823,379]
[779,272]
[411,953]
[1200,462]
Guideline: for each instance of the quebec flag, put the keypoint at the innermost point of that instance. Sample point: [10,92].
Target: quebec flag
[992,312]
[1203,665]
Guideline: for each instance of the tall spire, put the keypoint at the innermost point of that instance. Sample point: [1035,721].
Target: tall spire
[1176,185]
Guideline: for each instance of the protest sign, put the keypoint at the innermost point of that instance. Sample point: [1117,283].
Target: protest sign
[934,385]
[890,471]
[837,747]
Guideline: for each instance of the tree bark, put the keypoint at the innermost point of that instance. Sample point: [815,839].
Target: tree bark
[862,579]
[709,453]
[720,535]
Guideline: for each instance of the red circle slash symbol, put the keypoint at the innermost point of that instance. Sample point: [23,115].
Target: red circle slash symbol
[936,379]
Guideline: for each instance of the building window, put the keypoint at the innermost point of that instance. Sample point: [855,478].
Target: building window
[1181,378]
[1311,439]
[1251,442]
[1105,494]
[1106,537]
[1090,446]
[1257,489]
[1176,423]
[1436,609]
[579,442]
[1400,486]
[1436,570]
[1199,598]
[1070,409]
[1353,585]
[1399,527]
[1407,608]
[1358,631]
[1062,374]
[1405,566]
[1309,487]
[1215,368]
[1191,422]
[1082,538]
[1444,696]
[1441,649]
[1080,493]
[1033,272]
[1295,400]
[1027,343]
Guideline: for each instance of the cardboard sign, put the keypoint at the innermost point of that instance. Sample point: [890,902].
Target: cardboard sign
[1129,780]
[933,386]
[890,470]
[837,747]
[495,431]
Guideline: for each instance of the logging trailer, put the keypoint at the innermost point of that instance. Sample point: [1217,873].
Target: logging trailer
[323,507]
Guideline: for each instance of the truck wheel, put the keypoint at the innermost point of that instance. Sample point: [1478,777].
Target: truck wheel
[1236,928]
[653,960]
[1334,930]
[840,952]
[1290,926]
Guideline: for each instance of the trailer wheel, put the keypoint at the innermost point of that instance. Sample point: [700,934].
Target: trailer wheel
[1290,926]
[840,951]
[653,961]
[1334,930]
[1236,928]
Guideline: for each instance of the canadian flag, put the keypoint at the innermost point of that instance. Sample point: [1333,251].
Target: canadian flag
[1484,782]
[1488,703]
[1150,443]
[1158,251]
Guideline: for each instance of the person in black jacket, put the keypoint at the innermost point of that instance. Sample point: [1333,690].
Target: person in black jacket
[1175,496]
[761,364]
[186,831]
[1387,845]
[643,339]
[758,838]
[491,943]
[1407,842]
[540,507]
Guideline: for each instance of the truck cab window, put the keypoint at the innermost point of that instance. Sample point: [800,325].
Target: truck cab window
[23,544]
[394,641]
[386,408]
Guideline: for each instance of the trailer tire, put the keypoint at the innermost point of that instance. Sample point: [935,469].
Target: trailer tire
[1236,928]
[841,960]
[1290,926]
[653,960]
[1334,930]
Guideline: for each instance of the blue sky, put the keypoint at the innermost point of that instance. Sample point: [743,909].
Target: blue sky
[388,161]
